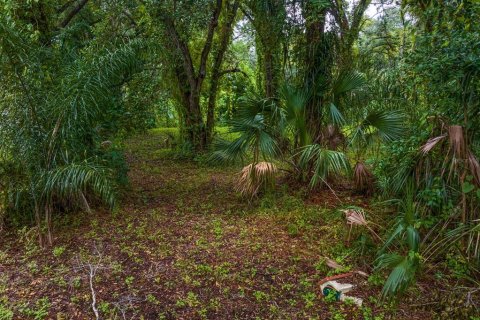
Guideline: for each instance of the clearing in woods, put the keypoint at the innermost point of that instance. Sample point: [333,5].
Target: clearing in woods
[183,245]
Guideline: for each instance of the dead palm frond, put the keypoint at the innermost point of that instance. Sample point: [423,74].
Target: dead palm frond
[332,137]
[363,178]
[431,143]
[356,217]
[333,264]
[255,176]
[458,161]
[474,167]
[457,141]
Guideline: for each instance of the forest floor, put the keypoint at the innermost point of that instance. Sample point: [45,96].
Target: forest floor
[183,245]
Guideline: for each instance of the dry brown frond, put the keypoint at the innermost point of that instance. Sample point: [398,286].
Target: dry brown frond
[333,264]
[474,167]
[355,217]
[254,176]
[363,178]
[457,141]
[332,137]
[431,143]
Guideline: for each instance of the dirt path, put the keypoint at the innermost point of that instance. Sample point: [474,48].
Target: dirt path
[183,245]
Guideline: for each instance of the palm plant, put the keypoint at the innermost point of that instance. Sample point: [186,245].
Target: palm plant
[323,163]
[405,233]
[317,157]
[375,128]
[258,136]
[271,127]
[293,101]
[411,251]
[459,169]
[458,163]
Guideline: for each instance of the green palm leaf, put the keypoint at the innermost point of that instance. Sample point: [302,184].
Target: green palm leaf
[336,116]
[384,125]
[347,82]
[325,162]
[69,180]
[402,274]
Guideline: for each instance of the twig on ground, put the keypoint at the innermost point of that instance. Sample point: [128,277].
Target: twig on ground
[92,267]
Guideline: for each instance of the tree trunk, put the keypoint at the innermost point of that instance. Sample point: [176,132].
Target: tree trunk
[271,76]
[194,123]
[189,81]
[48,223]
[38,221]
[212,104]
[316,69]
[268,22]
[226,35]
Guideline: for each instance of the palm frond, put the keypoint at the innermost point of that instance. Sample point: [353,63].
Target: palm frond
[402,274]
[69,180]
[389,125]
[294,101]
[254,122]
[324,162]
[474,167]
[336,116]
[255,176]
[431,143]
[355,217]
[347,82]
[362,177]
[457,141]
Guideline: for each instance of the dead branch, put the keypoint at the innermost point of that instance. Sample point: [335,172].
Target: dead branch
[92,267]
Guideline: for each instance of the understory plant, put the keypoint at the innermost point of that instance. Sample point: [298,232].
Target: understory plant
[446,223]
[58,109]
[275,129]
[404,260]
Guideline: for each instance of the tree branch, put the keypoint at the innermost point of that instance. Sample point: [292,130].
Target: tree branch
[224,72]
[182,46]
[73,13]
[208,42]
[65,6]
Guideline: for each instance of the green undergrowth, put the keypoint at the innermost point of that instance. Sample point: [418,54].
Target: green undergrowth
[183,244]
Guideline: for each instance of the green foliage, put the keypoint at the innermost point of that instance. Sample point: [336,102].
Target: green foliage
[305,87]
[39,311]
[387,126]
[404,232]
[403,272]
[254,124]
[61,106]
[58,251]
[5,312]
[325,162]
